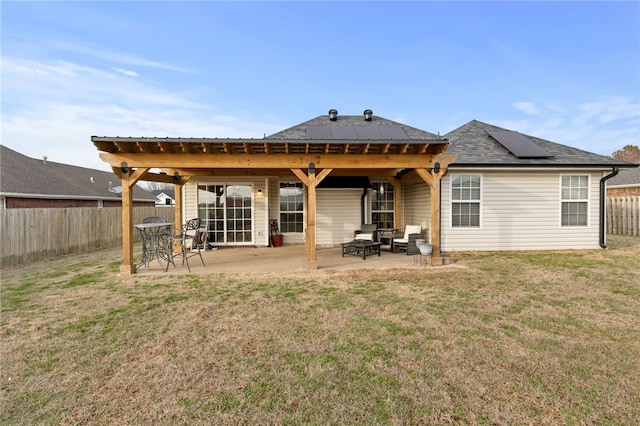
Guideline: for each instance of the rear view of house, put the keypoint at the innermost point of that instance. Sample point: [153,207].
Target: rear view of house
[480,187]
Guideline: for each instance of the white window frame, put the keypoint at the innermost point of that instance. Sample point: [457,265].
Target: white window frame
[389,196]
[280,211]
[575,199]
[470,201]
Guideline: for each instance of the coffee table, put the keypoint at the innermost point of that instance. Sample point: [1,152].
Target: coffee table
[362,248]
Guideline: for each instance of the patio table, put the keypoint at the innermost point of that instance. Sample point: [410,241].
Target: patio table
[362,248]
[155,242]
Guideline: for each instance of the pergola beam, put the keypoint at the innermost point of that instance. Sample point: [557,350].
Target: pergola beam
[274,161]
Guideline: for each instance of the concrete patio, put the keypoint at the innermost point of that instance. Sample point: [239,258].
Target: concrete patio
[288,258]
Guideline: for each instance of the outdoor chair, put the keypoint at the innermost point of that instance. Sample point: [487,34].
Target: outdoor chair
[367,231]
[188,233]
[407,241]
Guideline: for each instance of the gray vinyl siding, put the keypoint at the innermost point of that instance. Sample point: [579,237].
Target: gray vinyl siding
[417,205]
[520,211]
[338,215]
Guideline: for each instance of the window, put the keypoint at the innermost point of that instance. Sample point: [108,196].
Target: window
[575,200]
[291,207]
[382,204]
[465,201]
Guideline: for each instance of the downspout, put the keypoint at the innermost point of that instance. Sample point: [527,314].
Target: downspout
[603,206]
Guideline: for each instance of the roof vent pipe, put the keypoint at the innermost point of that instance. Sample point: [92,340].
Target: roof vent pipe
[368,114]
[333,114]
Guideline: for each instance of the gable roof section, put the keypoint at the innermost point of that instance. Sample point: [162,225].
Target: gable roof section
[474,146]
[25,177]
[347,135]
[381,124]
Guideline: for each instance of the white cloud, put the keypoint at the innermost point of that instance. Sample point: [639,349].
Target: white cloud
[117,57]
[53,109]
[126,72]
[602,125]
[527,107]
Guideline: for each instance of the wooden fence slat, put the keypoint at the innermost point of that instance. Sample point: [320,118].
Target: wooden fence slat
[623,215]
[33,234]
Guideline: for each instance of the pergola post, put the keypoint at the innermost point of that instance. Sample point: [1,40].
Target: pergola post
[127,267]
[310,180]
[129,179]
[432,178]
[177,211]
[312,262]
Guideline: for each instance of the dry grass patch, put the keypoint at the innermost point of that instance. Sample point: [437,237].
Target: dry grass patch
[513,338]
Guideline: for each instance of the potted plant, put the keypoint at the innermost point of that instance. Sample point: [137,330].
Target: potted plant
[276,236]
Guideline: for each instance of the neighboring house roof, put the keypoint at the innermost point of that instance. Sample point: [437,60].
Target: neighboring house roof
[25,177]
[474,146]
[625,179]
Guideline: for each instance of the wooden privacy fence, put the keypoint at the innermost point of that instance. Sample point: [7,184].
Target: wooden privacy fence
[33,234]
[623,215]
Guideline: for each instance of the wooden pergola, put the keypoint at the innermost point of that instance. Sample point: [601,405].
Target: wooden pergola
[311,161]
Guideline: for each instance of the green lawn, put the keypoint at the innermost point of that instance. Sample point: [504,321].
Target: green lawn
[505,338]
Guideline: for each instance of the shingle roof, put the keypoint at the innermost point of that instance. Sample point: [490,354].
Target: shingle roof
[475,147]
[628,177]
[25,176]
[348,135]
[299,131]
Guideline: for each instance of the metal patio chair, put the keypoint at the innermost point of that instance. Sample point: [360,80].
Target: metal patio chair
[188,247]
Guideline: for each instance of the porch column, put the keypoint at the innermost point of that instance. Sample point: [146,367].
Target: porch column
[432,178]
[312,262]
[177,212]
[128,181]
[310,180]
[127,267]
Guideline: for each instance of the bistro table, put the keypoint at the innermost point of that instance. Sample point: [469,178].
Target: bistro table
[362,248]
[156,239]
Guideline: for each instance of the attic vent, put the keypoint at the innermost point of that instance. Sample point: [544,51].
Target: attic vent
[333,114]
[44,160]
[368,114]
[518,144]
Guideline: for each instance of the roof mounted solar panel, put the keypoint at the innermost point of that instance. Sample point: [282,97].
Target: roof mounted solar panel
[368,132]
[518,144]
[319,132]
[357,132]
[344,132]
[392,132]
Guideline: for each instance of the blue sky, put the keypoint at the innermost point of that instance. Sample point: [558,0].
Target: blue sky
[564,71]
